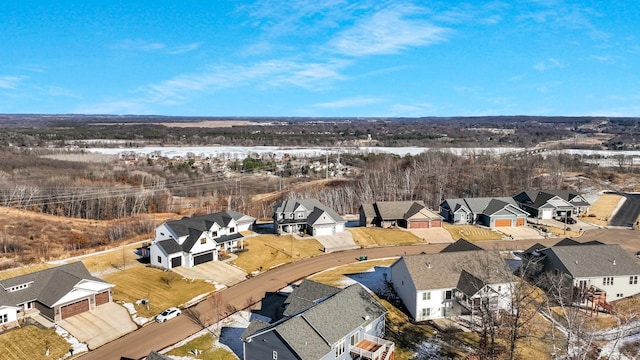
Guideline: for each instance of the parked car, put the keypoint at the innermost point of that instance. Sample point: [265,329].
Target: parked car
[168,314]
[568,220]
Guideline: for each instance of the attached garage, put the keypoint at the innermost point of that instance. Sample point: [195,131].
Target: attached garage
[176,261]
[502,222]
[418,224]
[436,223]
[102,298]
[202,258]
[322,230]
[520,222]
[546,214]
[76,308]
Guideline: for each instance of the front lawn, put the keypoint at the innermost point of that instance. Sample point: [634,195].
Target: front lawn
[31,342]
[600,211]
[267,251]
[471,232]
[204,343]
[163,288]
[372,236]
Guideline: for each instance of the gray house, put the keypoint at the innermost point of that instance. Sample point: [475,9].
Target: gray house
[490,212]
[548,204]
[306,216]
[58,293]
[405,214]
[321,323]
[589,268]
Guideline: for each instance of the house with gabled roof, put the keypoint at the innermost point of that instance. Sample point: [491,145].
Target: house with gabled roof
[488,211]
[306,216]
[548,204]
[588,268]
[321,323]
[452,283]
[195,240]
[405,214]
[58,293]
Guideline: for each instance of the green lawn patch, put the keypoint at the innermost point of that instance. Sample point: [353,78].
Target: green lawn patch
[30,343]
[163,288]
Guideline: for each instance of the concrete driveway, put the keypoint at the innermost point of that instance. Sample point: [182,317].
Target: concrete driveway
[97,327]
[433,235]
[337,242]
[217,271]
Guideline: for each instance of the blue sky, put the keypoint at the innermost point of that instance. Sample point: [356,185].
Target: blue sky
[321,58]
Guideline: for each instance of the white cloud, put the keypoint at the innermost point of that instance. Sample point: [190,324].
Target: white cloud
[10,82]
[349,102]
[146,46]
[388,31]
[548,64]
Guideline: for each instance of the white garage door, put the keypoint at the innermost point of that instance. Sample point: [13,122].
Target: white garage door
[547,213]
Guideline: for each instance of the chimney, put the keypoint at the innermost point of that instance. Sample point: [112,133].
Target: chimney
[428,265]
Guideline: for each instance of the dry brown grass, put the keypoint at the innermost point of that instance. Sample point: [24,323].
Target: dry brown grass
[471,232]
[335,276]
[30,343]
[602,209]
[163,288]
[371,236]
[267,251]
[205,343]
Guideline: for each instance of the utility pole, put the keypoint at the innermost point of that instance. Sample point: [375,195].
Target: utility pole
[326,165]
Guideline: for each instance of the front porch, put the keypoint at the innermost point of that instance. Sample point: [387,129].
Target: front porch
[373,348]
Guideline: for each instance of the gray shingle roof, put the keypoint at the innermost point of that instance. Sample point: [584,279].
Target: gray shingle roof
[288,206]
[306,295]
[391,210]
[469,284]
[312,332]
[595,260]
[485,205]
[48,286]
[460,245]
[442,270]
[368,210]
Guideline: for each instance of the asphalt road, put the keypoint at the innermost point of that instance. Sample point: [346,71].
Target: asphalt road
[628,213]
[156,337]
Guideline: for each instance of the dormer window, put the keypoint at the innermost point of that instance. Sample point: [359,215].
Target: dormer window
[19,287]
[232,230]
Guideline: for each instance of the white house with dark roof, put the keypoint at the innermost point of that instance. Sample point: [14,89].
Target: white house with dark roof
[58,293]
[605,268]
[487,211]
[195,240]
[548,204]
[307,216]
[405,214]
[322,323]
[452,283]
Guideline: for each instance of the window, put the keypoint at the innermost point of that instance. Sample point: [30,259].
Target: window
[160,259]
[448,295]
[426,312]
[355,338]
[275,355]
[499,288]
[232,230]
[426,295]
[4,318]
[607,281]
[619,295]
[633,280]
[203,241]
[340,348]
[214,234]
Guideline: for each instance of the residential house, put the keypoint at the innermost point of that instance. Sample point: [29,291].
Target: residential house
[549,204]
[588,268]
[405,214]
[195,240]
[321,323]
[490,212]
[452,283]
[58,293]
[306,216]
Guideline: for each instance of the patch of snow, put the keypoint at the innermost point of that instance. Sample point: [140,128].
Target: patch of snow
[76,345]
[134,314]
